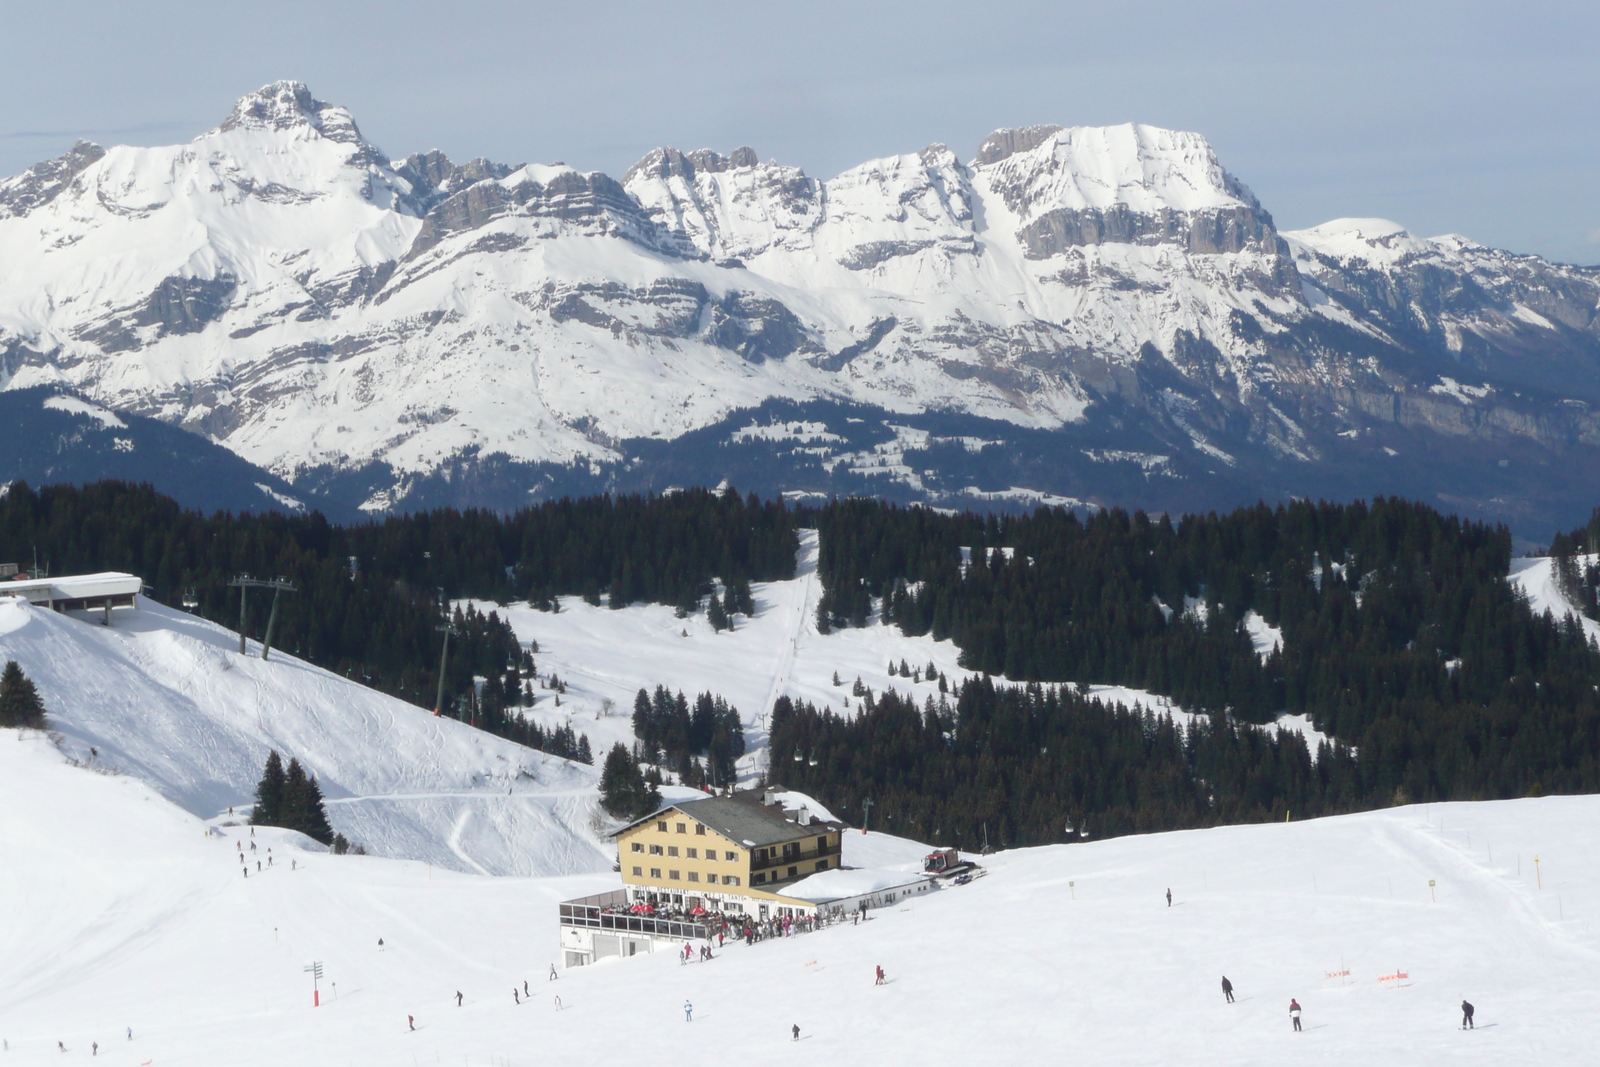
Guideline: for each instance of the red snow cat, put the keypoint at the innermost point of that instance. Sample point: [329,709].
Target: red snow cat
[947,863]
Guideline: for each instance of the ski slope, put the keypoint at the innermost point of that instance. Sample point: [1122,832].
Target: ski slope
[606,655]
[1535,577]
[128,911]
[166,697]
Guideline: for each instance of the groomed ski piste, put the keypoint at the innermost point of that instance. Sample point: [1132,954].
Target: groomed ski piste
[121,880]
[124,911]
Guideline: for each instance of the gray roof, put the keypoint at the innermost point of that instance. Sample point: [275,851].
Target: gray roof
[743,818]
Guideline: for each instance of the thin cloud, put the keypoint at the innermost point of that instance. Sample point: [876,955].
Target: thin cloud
[121,131]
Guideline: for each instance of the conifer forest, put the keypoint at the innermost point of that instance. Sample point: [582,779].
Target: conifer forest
[1401,641]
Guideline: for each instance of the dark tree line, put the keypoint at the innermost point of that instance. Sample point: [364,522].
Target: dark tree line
[1401,637]
[1029,765]
[1577,568]
[702,743]
[368,600]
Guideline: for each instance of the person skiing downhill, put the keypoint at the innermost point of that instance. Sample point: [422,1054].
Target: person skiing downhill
[516,995]
[552,977]
[1227,989]
[458,998]
[688,1012]
[796,1029]
[1294,1013]
[411,1022]
[1466,1016]
[1169,898]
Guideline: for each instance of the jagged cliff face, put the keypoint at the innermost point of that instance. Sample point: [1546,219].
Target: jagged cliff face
[283,287]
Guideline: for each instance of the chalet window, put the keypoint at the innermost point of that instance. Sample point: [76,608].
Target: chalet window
[701,830]
[711,854]
[673,876]
[822,865]
[672,850]
[822,844]
[694,876]
[693,853]
[682,829]
[655,872]
[638,846]
[793,871]
[638,872]
[757,879]
[731,879]
[662,827]
[730,856]
[655,850]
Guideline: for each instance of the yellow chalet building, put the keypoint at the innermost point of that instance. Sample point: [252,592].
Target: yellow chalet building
[696,863]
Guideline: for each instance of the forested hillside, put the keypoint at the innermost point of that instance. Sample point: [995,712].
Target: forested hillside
[1400,638]
[368,600]
[1389,625]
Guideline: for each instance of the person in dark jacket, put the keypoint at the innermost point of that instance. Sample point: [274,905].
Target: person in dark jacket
[1227,989]
[1294,1013]
[1466,1016]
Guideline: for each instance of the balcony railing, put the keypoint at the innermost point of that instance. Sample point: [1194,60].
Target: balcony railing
[791,859]
[592,912]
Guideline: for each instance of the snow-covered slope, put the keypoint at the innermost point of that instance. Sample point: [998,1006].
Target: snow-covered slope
[605,657]
[166,697]
[135,917]
[1535,577]
[362,326]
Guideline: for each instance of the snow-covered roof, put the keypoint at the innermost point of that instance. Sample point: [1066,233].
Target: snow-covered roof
[744,818]
[74,587]
[842,883]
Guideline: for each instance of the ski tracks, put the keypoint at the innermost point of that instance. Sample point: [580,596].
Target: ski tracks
[454,841]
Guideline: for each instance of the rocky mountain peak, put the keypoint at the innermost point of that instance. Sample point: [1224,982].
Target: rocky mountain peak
[668,162]
[286,105]
[43,182]
[1004,143]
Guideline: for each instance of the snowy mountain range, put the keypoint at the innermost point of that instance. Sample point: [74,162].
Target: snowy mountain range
[1075,314]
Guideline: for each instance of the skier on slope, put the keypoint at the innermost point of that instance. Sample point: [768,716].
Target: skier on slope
[1294,1013]
[796,1029]
[458,998]
[516,995]
[688,1012]
[1169,898]
[411,1022]
[552,977]
[1227,989]
[1466,1016]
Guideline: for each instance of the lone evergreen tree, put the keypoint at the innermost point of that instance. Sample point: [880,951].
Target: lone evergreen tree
[269,793]
[716,615]
[19,699]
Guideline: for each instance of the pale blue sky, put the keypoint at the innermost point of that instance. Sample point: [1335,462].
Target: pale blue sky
[1477,118]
